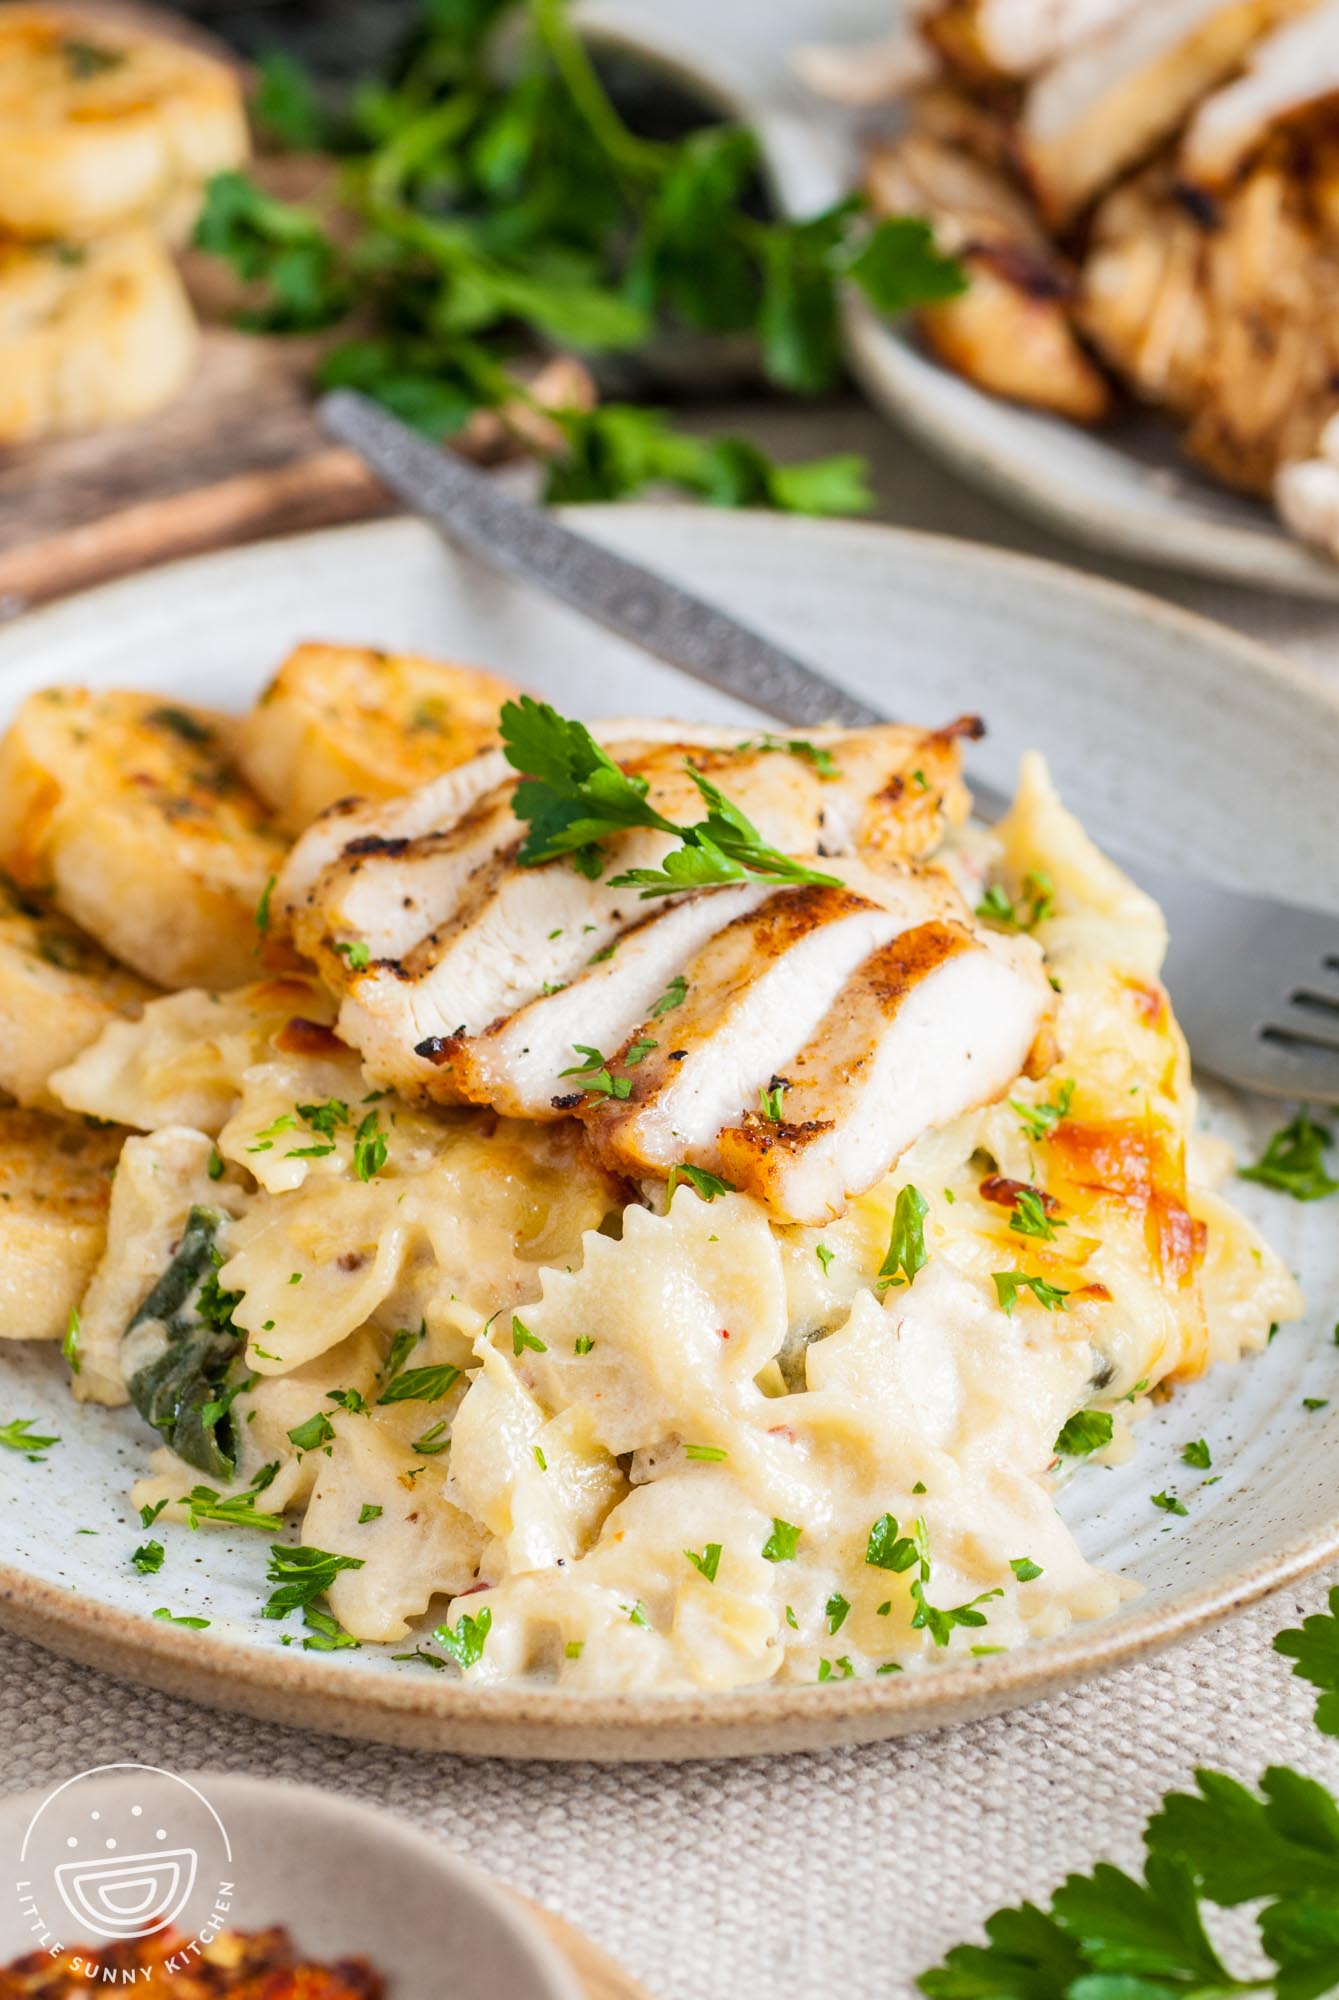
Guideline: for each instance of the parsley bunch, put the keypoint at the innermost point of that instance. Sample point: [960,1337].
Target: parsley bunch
[497,206]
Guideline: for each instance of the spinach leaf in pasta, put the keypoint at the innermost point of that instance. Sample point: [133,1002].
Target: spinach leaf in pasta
[180,1346]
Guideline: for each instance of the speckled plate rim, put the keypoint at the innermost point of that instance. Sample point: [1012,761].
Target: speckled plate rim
[438,1714]
[810,152]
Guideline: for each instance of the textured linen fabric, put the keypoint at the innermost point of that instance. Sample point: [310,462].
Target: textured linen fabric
[845,1874]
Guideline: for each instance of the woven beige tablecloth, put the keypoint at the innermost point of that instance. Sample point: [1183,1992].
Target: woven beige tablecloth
[811,1876]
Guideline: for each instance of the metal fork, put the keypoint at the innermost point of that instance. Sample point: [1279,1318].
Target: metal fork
[1255,981]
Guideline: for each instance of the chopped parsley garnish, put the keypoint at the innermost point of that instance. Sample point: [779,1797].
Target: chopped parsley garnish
[906,1254]
[1033,906]
[1008,1284]
[522,1338]
[888,1547]
[637,1614]
[1085,1432]
[574,1649]
[69,1346]
[214,1166]
[572,795]
[709,1454]
[324,1633]
[18,1435]
[1025,1569]
[148,1558]
[300,1575]
[796,746]
[369,1147]
[402,1346]
[835,1611]
[770,1096]
[1169,1503]
[582,1344]
[596,1075]
[1032,1217]
[367,1512]
[236,1510]
[1040,1120]
[1294,1161]
[783,1543]
[1196,1453]
[702,1183]
[314,1433]
[421,1385]
[463,1642]
[708,1562]
[149,1513]
[171,1618]
[638,1051]
[356,953]
[1315,1402]
[843,1668]
[325,1118]
[824,1256]
[674,996]
[539,1458]
[263,906]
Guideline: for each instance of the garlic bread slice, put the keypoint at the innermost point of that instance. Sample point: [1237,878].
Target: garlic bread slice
[90,334]
[55,1187]
[102,123]
[130,813]
[338,721]
[58,991]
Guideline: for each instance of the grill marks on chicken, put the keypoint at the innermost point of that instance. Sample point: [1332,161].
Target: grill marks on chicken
[467,978]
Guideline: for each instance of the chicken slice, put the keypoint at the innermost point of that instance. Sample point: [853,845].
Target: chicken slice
[517,1066]
[989,40]
[929,1026]
[1293,71]
[1116,96]
[1010,331]
[756,992]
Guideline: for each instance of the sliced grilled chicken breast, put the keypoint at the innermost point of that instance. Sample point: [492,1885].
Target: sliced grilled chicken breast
[930,1025]
[993,39]
[518,1065]
[433,932]
[1291,72]
[1114,98]
[755,993]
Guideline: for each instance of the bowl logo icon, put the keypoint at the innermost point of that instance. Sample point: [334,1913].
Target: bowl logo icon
[130,1896]
[122,1852]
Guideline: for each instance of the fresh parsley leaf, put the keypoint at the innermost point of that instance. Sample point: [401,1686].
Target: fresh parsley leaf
[324,1633]
[782,1545]
[369,1147]
[1040,1120]
[522,1338]
[899,266]
[356,953]
[285,104]
[171,1618]
[148,1558]
[835,1611]
[940,1622]
[1197,1453]
[770,1096]
[421,1385]
[1085,1432]
[708,1562]
[1294,1161]
[367,1512]
[906,1254]
[674,996]
[300,1575]
[1008,1284]
[888,1547]
[1169,1503]
[263,913]
[1025,1569]
[18,1435]
[314,1433]
[702,1183]
[236,1510]
[824,1256]
[596,1076]
[1314,1646]
[1033,905]
[709,1454]
[465,1640]
[1032,1215]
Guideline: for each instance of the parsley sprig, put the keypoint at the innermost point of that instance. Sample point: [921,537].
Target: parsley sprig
[1294,1161]
[573,796]
[490,197]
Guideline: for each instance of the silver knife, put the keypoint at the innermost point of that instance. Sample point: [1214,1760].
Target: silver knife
[1255,979]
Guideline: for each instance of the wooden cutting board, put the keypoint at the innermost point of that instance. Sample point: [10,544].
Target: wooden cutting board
[238,456]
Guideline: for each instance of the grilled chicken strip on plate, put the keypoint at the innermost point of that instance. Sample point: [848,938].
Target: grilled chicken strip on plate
[670,1026]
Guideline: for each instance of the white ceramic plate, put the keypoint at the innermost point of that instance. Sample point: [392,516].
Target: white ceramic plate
[114,1851]
[1153,722]
[1127,491]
